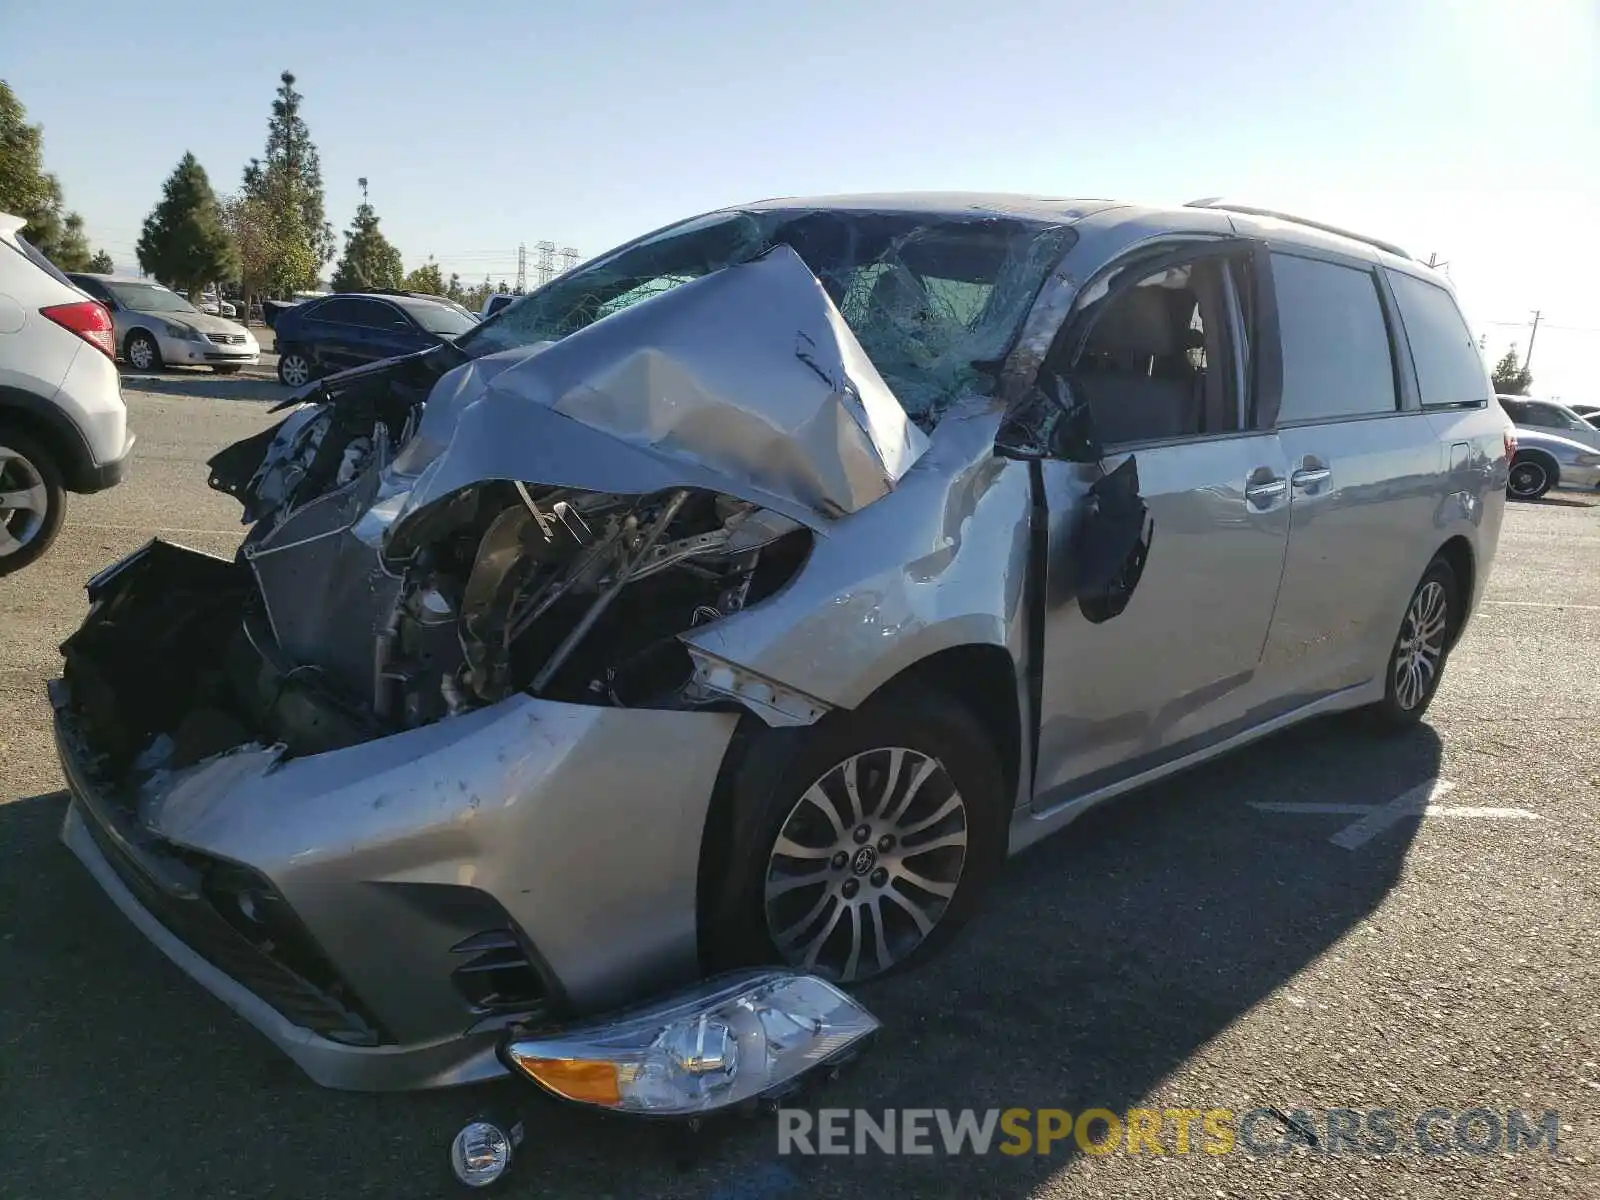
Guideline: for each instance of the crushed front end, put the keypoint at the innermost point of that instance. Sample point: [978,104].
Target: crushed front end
[428,763]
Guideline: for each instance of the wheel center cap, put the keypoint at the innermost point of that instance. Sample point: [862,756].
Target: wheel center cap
[864,860]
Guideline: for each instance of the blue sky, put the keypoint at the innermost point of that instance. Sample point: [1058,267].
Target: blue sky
[1459,127]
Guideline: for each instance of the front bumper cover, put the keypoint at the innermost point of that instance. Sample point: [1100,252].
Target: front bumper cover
[584,824]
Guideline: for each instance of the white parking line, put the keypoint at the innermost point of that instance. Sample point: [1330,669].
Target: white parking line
[1375,818]
[1542,604]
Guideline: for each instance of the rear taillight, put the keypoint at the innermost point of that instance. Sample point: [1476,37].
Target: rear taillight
[89,320]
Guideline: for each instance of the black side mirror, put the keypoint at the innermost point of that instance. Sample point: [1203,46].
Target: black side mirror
[1049,423]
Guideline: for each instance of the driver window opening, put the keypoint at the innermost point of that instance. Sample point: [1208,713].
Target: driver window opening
[1158,362]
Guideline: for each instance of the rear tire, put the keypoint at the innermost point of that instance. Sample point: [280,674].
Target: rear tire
[142,352]
[28,471]
[1531,477]
[1421,649]
[786,856]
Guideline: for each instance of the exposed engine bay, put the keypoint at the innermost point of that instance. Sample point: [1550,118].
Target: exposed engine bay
[572,596]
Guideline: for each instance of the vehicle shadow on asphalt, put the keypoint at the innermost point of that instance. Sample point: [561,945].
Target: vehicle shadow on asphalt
[1104,959]
[207,386]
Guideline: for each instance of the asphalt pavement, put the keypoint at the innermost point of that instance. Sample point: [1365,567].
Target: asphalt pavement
[1292,928]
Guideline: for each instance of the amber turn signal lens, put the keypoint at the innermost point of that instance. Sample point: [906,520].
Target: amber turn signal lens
[575,1079]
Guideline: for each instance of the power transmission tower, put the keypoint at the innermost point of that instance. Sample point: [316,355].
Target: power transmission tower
[569,258]
[546,269]
[522,267]
[1527,361]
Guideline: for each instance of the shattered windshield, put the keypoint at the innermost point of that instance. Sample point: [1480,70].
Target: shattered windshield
[934,299]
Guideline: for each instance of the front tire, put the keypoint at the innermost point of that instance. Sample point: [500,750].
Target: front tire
[1531,477]
[1421,648]
[142,352]
[294,369]
[860,844]
[33,500]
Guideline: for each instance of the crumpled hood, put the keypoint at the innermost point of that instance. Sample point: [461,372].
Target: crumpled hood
[746,381]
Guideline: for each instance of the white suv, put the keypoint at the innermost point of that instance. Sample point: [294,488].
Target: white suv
[63,425]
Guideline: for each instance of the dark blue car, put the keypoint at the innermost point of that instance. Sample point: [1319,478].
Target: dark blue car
[330,334]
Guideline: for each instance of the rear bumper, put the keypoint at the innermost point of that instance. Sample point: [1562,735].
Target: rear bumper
[97,477]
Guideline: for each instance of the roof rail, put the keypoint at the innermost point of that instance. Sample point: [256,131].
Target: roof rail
[1250,210]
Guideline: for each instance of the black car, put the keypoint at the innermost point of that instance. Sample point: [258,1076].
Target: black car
[345,330]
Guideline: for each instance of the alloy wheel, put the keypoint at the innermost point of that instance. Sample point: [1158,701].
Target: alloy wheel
[1527,479]
[866,863]
[295,370]
[142,353]
[24,502]
[1420,649]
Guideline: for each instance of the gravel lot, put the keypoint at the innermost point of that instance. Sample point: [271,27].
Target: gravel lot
[1180,949]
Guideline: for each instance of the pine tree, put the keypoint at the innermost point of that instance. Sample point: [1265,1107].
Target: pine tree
[184,243]
[101,263]
[1510,377]
[370,259]
[426,278]
[287,185]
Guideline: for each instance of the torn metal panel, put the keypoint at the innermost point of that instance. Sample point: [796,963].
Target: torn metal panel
[773,702]
[746,381]
[943,565]
[327,595]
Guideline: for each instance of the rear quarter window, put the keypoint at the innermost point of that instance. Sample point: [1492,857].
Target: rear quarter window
[30,253]
[1450,370]
[1336,357]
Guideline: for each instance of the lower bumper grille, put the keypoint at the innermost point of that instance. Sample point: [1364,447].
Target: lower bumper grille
[193,920]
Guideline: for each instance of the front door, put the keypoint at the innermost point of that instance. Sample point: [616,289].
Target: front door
[1163,362]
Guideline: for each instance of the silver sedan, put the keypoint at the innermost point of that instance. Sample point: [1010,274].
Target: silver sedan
[157,327]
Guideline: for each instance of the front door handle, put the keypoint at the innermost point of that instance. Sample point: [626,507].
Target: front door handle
[1310,477]
[1266,491]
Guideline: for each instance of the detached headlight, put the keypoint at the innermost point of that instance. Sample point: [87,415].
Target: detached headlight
[723,1042]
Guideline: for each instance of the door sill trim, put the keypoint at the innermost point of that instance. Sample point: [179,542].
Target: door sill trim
[1029,826]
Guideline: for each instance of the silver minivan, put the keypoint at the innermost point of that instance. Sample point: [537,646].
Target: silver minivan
[744,596]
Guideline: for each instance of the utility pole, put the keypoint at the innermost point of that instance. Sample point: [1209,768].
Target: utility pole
[522,267]
[1527,359]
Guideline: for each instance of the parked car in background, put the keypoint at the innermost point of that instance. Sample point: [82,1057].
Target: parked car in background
[158,328]
[211,304]
[1589,412]
[63,424]
[743,597]
[1550,417]
[495,303]
[1548,458]
[431,296]
[346,330]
